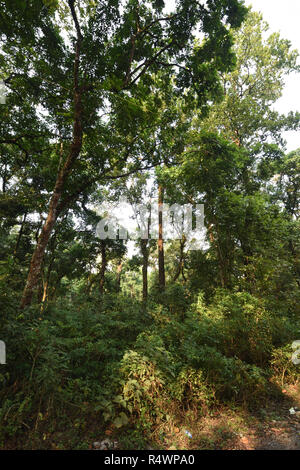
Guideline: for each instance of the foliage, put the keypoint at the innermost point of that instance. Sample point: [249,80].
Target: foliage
[98,95]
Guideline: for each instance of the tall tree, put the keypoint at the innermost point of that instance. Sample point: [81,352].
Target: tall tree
[151,40]
[107,65]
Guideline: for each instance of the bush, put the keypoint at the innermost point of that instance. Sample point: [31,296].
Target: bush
[284,370]
[110,357]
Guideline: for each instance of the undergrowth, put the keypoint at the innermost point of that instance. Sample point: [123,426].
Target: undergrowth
[93,364]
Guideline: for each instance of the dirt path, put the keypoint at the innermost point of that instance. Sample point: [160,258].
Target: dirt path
[281,434]
[272,427]
[279,429]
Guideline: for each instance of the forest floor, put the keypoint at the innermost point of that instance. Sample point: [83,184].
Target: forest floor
[271,427]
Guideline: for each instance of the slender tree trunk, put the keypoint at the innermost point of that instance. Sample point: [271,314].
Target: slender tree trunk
[89,283]
[247,251]
[4,180]
[145,253]
[119,272]
[46,281]
[55,287]
[45,291]
[222,267]
[161,257]
[180,269]
[20,235]
[38,255]
[103,267]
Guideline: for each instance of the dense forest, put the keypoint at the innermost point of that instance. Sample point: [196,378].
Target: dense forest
[145,340]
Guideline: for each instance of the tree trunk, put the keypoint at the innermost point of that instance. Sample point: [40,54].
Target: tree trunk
[245,242]
[222,267]
[145,253]
[4,179]
[45,292]
[55,287]
[180,269]
[161,257]
[20,235]
[38,255]
[119,271]
[46,282]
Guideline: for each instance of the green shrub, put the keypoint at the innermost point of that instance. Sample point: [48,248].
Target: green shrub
[284,370]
